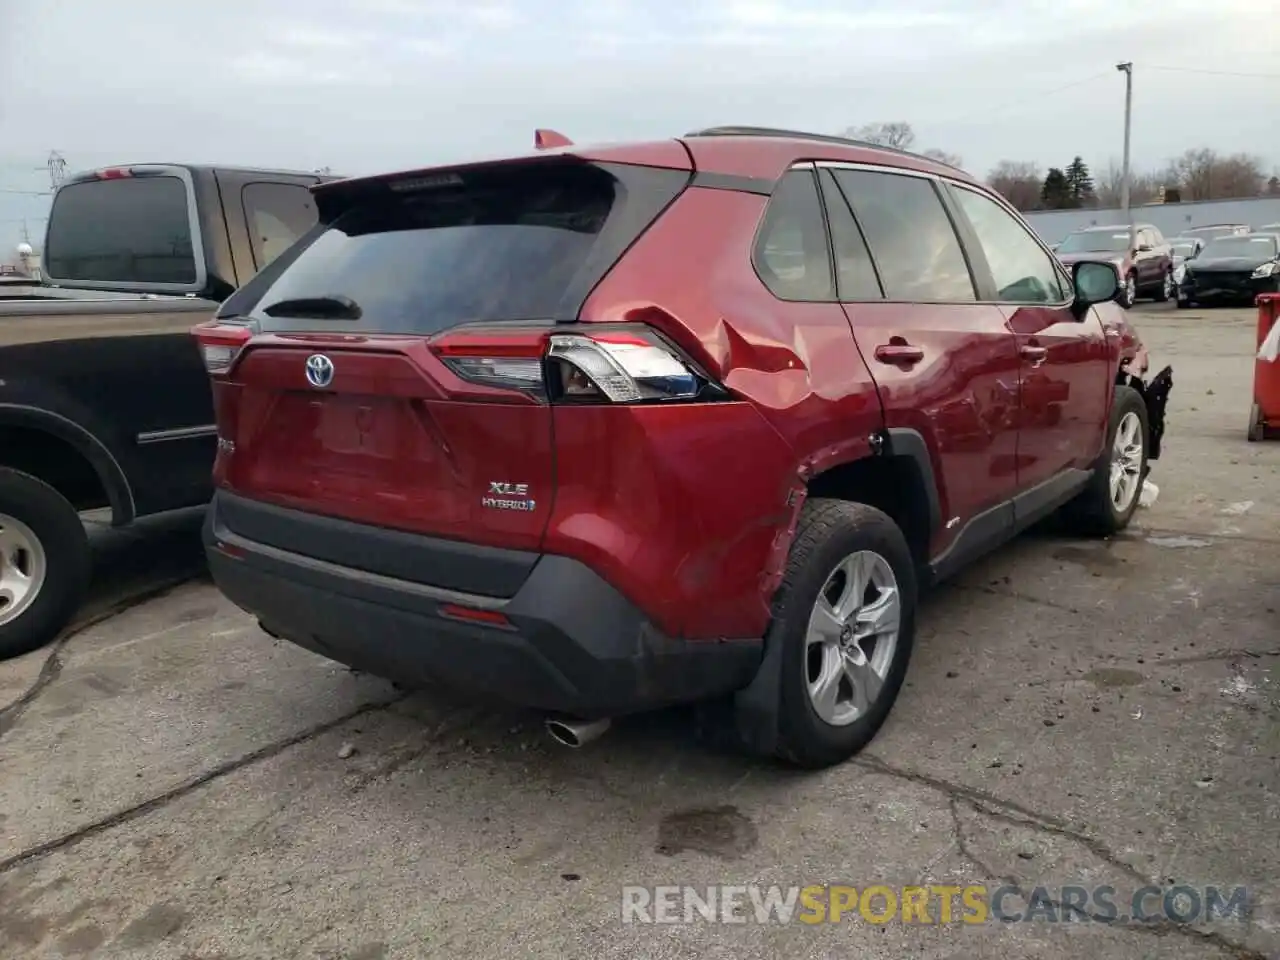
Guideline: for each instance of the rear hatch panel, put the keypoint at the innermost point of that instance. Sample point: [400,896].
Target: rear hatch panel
[396,439]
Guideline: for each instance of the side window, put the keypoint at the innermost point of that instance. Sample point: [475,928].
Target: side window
[914,246]
[1023,272]
[277,215]
[791,252]
[855,273]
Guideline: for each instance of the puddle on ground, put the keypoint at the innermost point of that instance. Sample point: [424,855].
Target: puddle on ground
[1093,558]
[1114,677]
[723,832]
[1179,542]
[160,921]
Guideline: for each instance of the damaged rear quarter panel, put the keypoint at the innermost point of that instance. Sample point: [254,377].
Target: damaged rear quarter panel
[795,365]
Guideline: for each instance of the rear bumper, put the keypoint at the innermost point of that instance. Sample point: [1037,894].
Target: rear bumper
[565,641]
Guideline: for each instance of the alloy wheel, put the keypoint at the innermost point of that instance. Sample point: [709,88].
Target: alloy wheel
[1126,462]
[852,637]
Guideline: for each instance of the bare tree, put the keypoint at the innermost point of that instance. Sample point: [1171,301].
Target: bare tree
[1017,181]
[896,134]
[1143,187]
[942,156]
[1204,174]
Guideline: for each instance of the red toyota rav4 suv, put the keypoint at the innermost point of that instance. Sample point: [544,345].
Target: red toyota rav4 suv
[597,430]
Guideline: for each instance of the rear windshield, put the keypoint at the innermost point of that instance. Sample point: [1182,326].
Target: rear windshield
[134,230]
[1262,248]
[514,244]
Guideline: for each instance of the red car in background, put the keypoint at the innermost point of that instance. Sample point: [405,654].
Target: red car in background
[1144,259]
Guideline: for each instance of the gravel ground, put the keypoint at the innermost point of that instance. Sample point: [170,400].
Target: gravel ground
[175,784]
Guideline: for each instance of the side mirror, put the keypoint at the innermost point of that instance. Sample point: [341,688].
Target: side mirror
[1095,283]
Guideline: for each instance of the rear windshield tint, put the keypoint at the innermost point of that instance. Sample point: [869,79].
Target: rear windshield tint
[133,230]
[510,244]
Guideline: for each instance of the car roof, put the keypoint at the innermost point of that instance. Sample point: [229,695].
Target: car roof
[1118,226]
[763,153]
[769,151]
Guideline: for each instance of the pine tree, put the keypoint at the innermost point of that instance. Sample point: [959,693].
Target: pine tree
[1079,182]
[1056,192]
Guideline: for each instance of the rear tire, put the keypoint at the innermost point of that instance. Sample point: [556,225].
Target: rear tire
[1185,304]
[838,683]
[1107,504]
[45,562]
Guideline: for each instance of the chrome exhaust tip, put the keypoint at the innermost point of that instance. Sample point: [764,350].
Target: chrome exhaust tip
[576,733]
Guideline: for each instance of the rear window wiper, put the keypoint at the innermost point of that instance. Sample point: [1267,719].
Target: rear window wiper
[333,307]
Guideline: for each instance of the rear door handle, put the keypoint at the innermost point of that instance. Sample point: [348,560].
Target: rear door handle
[899,354]
[1035,355]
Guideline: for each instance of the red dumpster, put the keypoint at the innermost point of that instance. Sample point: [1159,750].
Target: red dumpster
[1264,417]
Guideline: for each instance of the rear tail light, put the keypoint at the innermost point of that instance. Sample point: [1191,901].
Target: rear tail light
[511,362]
[613,365]
[622,369]
[219,344]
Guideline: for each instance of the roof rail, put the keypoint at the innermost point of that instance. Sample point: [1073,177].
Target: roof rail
[744,131]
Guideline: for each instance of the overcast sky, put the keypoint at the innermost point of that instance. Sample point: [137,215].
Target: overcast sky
[362,85]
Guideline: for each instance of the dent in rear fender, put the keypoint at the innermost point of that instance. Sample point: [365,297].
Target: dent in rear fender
[677,506]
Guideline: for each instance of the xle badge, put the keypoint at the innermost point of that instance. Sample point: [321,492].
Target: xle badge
[508,496]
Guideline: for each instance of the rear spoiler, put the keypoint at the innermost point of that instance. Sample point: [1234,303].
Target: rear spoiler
[336,196]
[550,148]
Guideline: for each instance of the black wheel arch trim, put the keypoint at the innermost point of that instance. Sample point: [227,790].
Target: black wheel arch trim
[99,455]
[906,442]
[755,707]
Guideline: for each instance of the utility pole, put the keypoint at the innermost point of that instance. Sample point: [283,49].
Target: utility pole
[1127,70]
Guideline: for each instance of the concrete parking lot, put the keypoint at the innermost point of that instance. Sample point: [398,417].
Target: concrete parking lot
[175,784]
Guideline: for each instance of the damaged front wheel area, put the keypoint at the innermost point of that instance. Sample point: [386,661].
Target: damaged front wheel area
[1107,504]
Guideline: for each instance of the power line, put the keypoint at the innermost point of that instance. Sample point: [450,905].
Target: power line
[1213,73]
[1038,96]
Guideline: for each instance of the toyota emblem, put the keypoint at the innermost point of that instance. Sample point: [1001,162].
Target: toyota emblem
[319,370]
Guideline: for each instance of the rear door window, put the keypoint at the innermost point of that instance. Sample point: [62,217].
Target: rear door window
[131,230]
[520,242]
[916,251]
[855,273]
[277,215]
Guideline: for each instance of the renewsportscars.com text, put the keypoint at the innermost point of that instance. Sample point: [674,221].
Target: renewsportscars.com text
[930,904]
